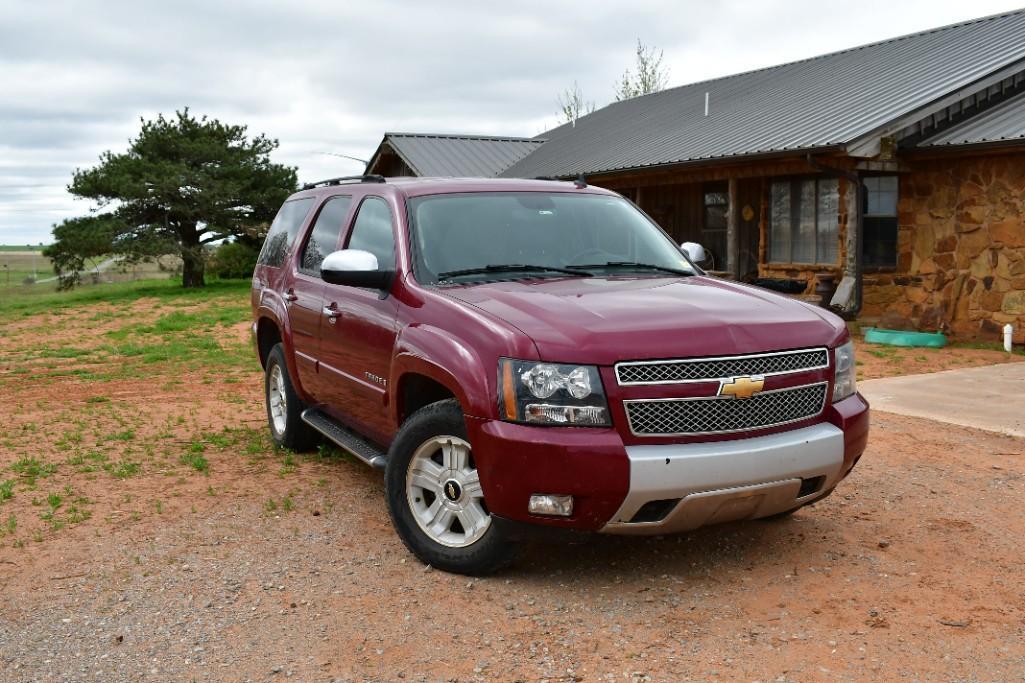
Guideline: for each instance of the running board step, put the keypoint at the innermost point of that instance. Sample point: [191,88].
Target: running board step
[345,438]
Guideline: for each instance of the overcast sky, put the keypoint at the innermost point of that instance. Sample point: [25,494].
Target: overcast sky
[333,76]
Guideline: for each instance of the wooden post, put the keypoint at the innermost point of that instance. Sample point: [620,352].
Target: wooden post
[733,230]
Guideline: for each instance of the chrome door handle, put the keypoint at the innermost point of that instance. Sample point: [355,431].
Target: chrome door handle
[331,312]
[291,296]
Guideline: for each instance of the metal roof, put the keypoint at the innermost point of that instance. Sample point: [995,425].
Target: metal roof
[822,102]
[1005,121]
[477,156]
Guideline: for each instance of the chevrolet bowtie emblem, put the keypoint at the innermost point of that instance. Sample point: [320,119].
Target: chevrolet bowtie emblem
[741,387]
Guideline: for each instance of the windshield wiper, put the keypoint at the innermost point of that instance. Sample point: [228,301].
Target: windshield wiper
[511,268]
[632,265]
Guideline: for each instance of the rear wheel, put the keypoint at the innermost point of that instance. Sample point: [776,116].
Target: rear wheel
[435,497]
[284,409]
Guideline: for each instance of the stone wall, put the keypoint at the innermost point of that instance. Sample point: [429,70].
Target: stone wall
[961,250]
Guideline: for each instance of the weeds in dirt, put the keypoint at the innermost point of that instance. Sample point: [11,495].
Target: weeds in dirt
[31,469]
[287,463]
[6,490]
[123,469]
[196,461]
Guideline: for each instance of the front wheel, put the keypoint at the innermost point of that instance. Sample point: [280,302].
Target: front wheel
[435,497]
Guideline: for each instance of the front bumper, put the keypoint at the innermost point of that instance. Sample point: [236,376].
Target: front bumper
[699,483]
[678,487]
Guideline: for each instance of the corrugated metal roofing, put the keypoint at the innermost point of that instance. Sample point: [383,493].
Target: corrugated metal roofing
[820,102]
[472,156]
[1006,121]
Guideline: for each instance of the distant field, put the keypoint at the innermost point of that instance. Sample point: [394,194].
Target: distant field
[18,265]
[19,247]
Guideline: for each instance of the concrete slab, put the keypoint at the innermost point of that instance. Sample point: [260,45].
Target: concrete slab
[991,397]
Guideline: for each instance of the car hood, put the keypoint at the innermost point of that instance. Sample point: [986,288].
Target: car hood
[603,320]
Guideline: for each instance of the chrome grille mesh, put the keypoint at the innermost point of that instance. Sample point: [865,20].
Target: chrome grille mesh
[715,415]
[698,369]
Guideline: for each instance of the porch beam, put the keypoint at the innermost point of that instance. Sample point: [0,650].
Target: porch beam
[733,230]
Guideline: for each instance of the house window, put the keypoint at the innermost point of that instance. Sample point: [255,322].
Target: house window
[803,221]
[713,232]
[879,222]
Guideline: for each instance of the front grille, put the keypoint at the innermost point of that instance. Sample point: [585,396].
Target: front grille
[705,369]
[716,415]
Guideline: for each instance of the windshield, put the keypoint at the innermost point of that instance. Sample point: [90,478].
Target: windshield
[462,237]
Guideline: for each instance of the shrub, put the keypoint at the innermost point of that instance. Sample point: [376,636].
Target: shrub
[233,260]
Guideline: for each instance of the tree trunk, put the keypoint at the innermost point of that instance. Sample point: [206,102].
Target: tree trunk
[193,265]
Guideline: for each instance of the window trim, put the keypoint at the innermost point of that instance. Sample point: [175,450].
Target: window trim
[812,264]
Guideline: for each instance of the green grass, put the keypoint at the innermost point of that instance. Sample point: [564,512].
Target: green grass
[196,461]
[43,301]
[6,490]
[31,468]
[9,526]
[122,470]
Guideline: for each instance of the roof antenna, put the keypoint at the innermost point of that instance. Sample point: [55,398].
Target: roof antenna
[706,103]
[581,182]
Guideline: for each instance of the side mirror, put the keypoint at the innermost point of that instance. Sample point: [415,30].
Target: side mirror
[694,251]
[354,268]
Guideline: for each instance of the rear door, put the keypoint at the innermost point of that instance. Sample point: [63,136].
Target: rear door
[305,296]
[358,331]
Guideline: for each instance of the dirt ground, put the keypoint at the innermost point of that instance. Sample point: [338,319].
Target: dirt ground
[157,536]
[876,360]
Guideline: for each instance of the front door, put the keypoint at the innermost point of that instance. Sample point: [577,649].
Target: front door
[358,332]
[306,295]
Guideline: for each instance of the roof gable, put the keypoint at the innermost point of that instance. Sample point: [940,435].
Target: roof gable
[471,156]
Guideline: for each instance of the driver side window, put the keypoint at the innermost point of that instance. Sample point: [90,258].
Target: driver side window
[323,237]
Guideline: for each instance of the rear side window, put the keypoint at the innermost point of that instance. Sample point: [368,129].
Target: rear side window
[372,232]
[283,231]
[324,235]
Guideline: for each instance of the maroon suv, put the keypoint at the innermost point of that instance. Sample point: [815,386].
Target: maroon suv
[517,353]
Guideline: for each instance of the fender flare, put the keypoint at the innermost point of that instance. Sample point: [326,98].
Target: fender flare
[468,379]
[272,308]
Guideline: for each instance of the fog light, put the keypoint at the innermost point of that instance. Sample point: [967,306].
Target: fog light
[549,504]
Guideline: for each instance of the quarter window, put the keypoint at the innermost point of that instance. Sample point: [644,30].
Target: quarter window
[323,237]
[803,221]
[372,232]
[283,231]
[879,222]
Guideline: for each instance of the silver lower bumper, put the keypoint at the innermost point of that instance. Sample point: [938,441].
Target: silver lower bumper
[728,480]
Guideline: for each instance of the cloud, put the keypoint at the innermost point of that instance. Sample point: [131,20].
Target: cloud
[322,77]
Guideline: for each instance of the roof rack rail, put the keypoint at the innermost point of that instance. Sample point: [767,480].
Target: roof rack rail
[345,179]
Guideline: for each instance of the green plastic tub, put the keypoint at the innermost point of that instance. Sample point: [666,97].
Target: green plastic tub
[932,340]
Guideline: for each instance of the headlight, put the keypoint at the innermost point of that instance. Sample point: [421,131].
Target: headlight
[846,383]
[548,393]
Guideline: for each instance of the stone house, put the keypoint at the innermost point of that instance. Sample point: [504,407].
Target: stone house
[889,176]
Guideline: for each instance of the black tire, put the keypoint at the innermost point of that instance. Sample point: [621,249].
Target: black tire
[294,434]
[491,551]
